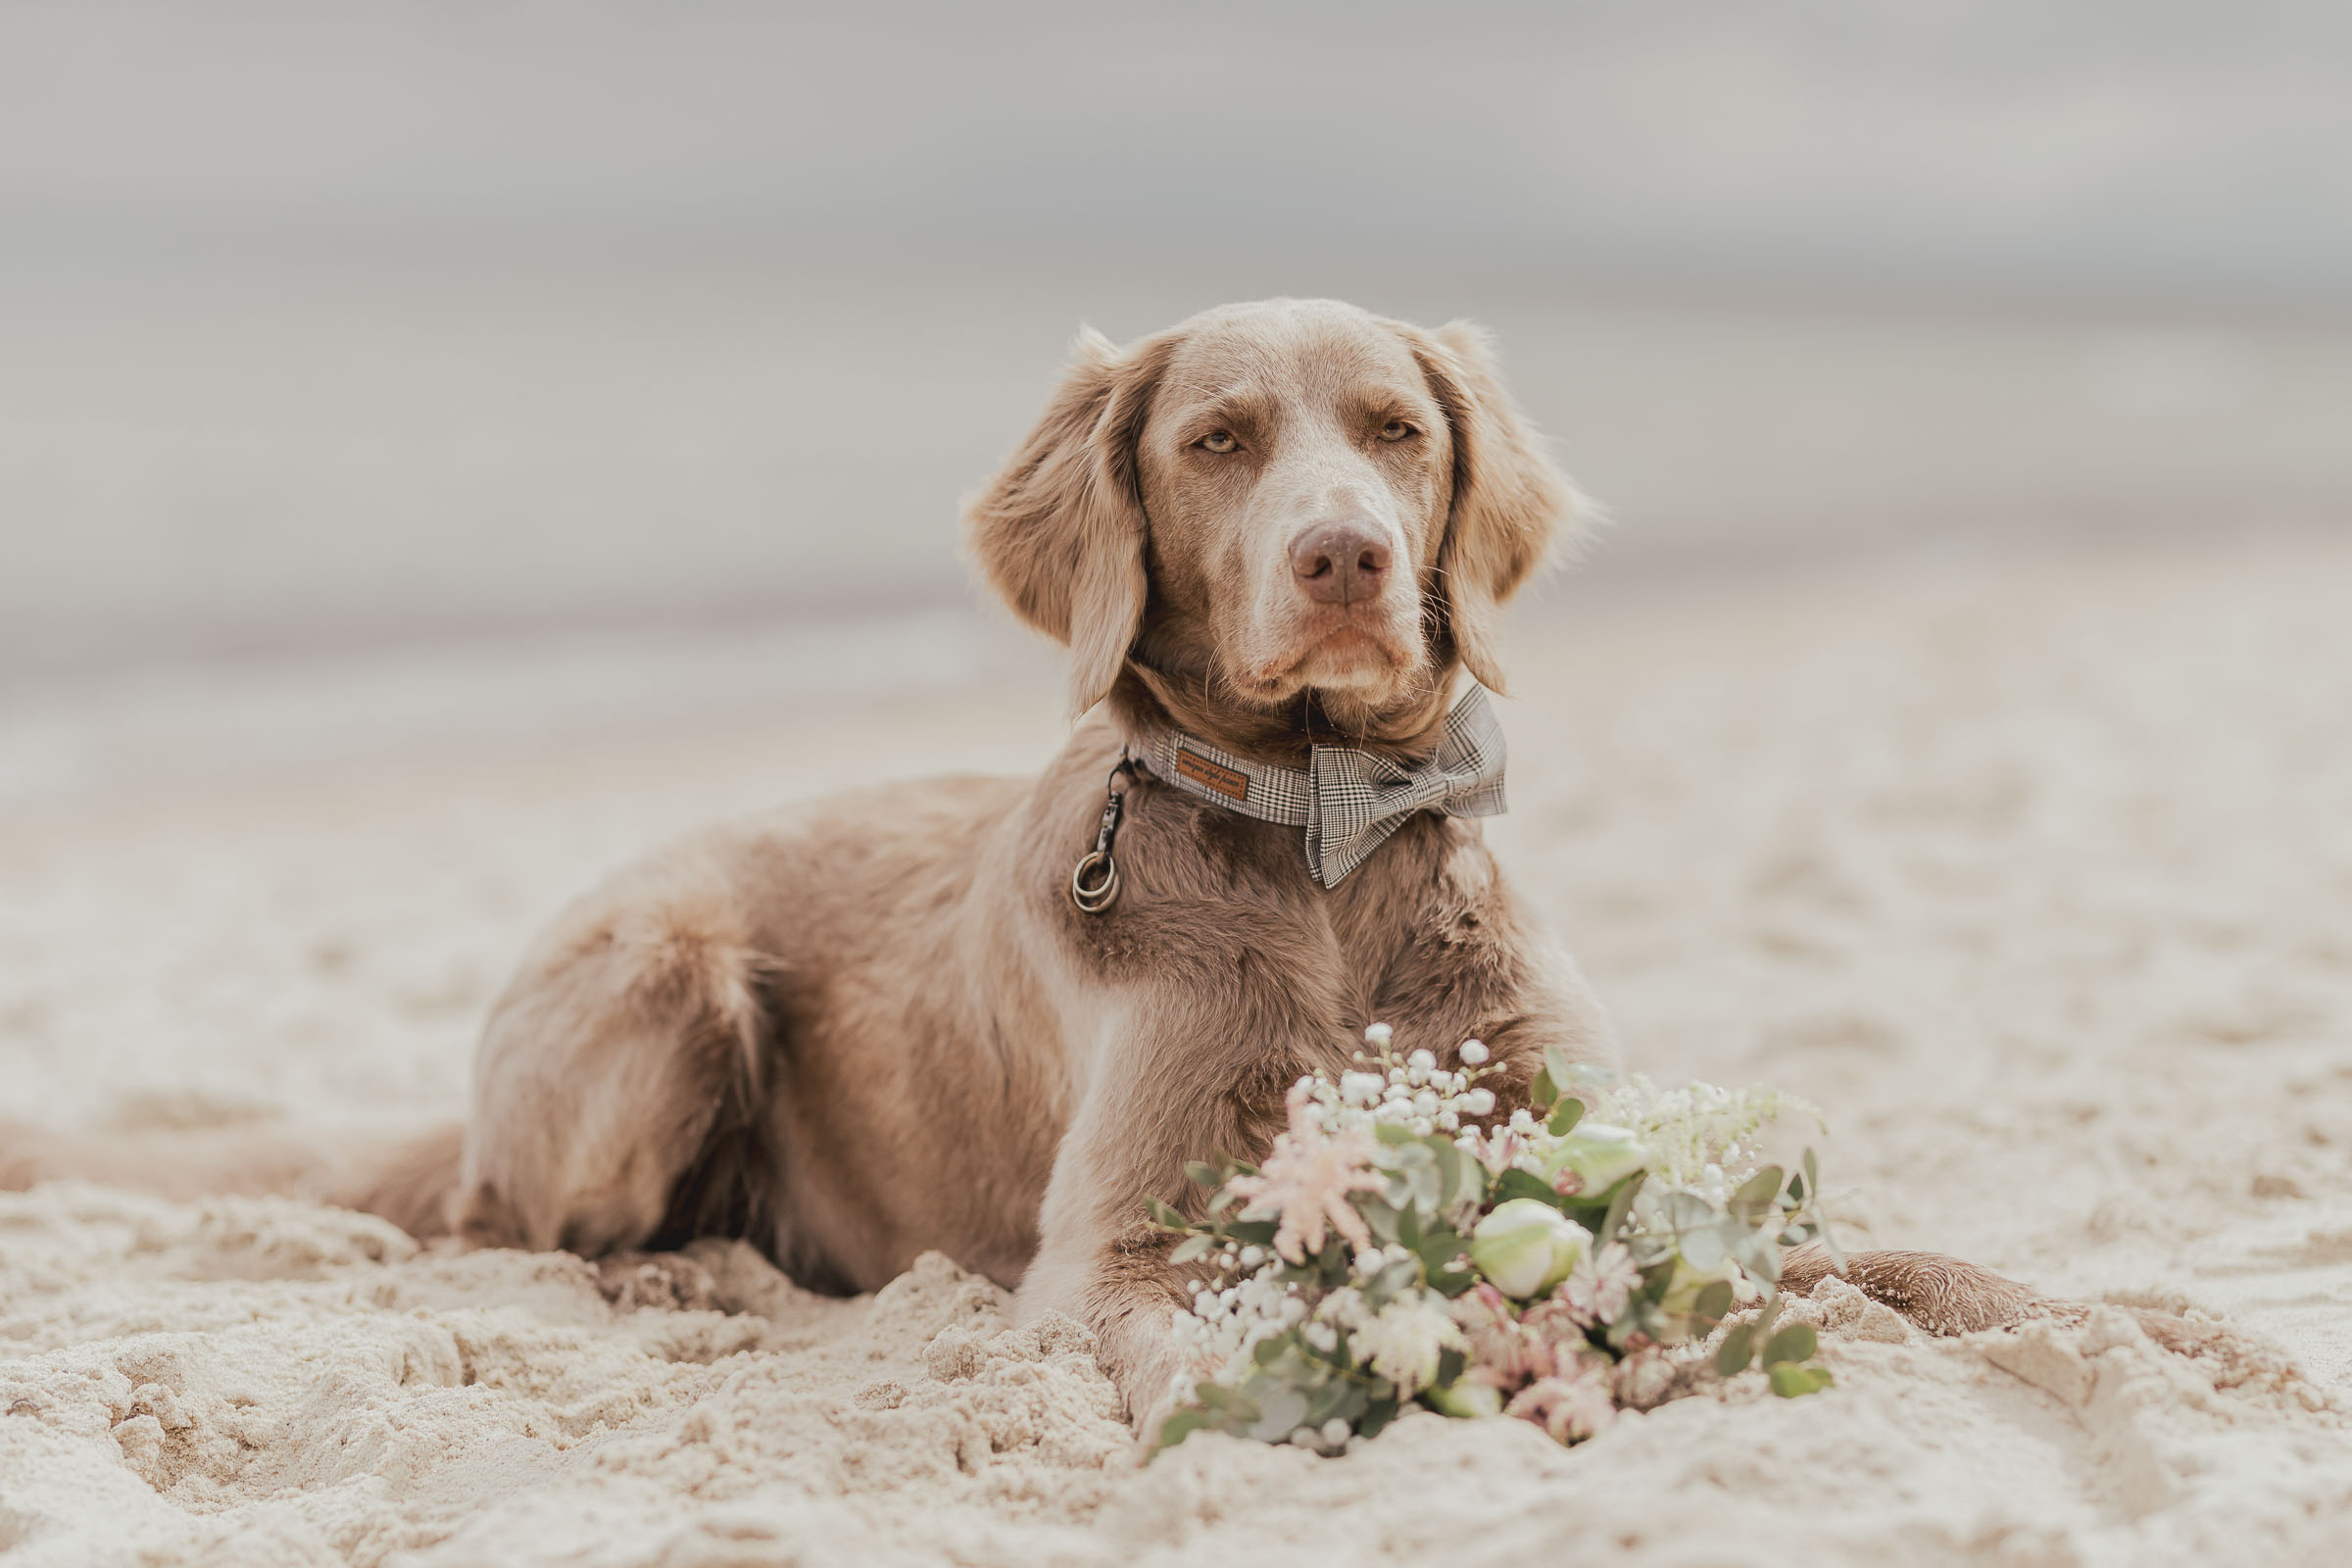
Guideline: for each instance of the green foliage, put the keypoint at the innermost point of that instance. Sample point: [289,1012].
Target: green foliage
[1785,1358]
[1795,1343]
[1790,1381]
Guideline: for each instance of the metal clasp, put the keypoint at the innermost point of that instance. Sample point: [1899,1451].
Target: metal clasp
[1094,880]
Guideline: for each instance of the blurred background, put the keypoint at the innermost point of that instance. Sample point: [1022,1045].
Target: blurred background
[377,377]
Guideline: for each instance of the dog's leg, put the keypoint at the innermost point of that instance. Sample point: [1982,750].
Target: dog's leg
[1100,1259]
[623,1059]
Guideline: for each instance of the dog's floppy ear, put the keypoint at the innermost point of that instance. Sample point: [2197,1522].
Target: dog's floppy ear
[1509,499]
[1060,530]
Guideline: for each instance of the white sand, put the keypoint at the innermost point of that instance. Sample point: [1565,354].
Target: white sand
[2036,874]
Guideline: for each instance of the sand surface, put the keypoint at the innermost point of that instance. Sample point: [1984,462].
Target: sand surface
[2036,873]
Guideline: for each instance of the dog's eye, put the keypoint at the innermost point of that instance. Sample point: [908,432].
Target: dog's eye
[1397,430]
[1218,441]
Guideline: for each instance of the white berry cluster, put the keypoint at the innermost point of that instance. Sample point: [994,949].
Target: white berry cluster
[1242,1306]
[1700,1137]
[1411,1092]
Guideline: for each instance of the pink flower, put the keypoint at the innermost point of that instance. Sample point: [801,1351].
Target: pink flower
[1572,1405]
[1598,1288]
[1307,1181]
[1554,1323]
[1498,1152]
[1498,1348]
[1644,1379]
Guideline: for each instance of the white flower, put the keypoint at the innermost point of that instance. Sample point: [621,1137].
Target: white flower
[1474,1052]
[1378,1036]
[1571,1406]
[1597,1289]
[1342,1309]
[1526,1247]
[1403,1342]
[1689,1128]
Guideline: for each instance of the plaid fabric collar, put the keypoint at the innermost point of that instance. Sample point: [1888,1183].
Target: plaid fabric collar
[1349,801]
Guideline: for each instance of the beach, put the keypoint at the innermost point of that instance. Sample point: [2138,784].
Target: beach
[2030,864]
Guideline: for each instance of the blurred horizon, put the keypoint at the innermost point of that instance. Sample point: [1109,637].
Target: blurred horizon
[524,336]
[2163,148]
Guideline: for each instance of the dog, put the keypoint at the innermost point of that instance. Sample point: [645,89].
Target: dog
[1274,538]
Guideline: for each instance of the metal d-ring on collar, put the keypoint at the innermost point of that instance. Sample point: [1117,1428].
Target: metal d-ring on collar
[1095,882]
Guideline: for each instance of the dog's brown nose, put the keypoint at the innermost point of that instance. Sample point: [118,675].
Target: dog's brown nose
[1340,564]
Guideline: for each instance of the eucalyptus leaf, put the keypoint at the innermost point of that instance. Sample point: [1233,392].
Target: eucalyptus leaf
[1737,1348]
[1758,1255]
[1181,1425]
[1281,1411]
[1621,1203]
[1565,1118]
[1755,1197]
[1543,1092]
[1790,1381]
[1559,1068]
[1229,1402]
[1829,1243]
[1712,1303]
[1163,1215]
[1687,1211]
[1702,1250]
[1647,1250]
[1795,1343]
[1192,1247]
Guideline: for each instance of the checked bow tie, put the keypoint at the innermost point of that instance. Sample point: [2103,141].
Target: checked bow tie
[1349,801]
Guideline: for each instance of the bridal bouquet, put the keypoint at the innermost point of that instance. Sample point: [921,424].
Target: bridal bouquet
[1399,1246]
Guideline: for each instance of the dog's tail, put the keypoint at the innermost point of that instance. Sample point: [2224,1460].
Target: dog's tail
[409,1180]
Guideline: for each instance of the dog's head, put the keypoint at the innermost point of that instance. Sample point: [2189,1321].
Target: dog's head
[1274,502]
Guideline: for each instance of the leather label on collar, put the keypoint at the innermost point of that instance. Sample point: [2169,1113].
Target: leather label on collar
[1233,786]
